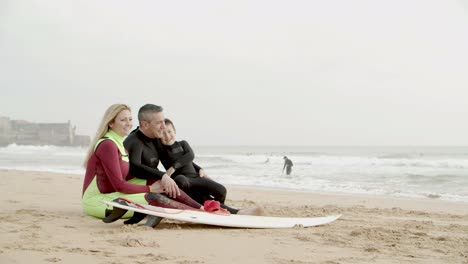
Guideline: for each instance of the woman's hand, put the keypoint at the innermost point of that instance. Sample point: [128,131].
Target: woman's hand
[156,187]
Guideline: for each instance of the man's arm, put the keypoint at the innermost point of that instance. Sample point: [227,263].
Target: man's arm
[135,148]
[137,168]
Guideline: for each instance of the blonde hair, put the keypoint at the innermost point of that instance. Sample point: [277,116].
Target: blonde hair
[108,118]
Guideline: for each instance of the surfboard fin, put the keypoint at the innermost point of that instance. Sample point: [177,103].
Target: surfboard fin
[153,221]
[114,215]
[135,219]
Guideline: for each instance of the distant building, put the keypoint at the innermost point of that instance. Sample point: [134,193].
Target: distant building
[26,133]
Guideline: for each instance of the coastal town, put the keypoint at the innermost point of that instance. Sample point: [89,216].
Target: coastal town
[22,132]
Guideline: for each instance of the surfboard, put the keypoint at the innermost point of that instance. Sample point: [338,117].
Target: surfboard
[231,220]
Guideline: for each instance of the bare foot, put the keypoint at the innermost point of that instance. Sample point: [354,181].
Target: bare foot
[252,211]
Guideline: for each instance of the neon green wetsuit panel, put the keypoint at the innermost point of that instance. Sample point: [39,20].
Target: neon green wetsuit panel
[92,198]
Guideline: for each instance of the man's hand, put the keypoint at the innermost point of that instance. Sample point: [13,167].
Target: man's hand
[170,186]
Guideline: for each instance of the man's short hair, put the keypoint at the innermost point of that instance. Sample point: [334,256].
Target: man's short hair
[144,114]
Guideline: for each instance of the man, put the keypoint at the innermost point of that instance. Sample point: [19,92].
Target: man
[287,165]
[143,145]
[140,144]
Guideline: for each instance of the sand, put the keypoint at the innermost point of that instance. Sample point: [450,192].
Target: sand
[42,222]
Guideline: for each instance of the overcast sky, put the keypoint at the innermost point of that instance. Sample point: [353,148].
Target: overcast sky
[253,72]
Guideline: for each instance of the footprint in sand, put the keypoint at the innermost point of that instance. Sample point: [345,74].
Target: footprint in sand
[53,259]
[371,249]
[33,227]
[150,257]
[32,212]
[42,179]
[133,242]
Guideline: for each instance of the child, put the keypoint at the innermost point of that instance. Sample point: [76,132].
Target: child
[177,157]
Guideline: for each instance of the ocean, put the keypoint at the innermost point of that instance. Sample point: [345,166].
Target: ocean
[418,172]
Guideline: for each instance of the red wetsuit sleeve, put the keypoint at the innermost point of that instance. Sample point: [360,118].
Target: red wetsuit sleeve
[111,161]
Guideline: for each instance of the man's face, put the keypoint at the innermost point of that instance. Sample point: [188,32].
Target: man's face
[155,127]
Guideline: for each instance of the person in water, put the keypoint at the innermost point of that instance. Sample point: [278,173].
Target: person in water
[107,170]
[287,165]
[146,150]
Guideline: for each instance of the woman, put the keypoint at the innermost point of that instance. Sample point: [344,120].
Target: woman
[107,170]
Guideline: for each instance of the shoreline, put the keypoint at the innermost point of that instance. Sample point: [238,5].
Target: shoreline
[368,200]
[386,196]
[413,203]
[268,188]
[44,223]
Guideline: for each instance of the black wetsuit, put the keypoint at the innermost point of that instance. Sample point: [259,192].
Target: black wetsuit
[144,160]
[180,156]
[143,156]
[288,165]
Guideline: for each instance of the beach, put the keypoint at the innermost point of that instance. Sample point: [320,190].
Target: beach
[43,222]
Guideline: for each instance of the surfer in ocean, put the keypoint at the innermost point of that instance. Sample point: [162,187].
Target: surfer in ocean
[287,165]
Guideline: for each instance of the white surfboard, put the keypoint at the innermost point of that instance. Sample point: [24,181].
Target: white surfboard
[233,220]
